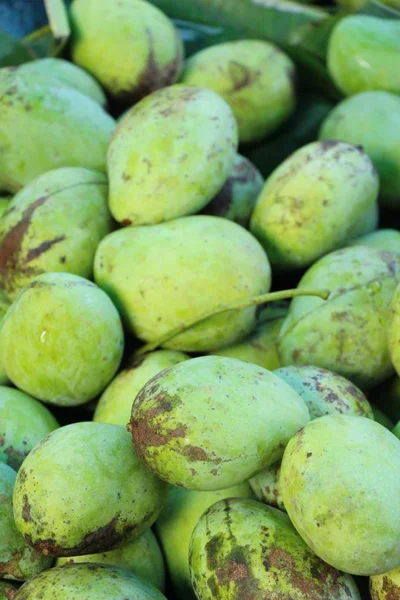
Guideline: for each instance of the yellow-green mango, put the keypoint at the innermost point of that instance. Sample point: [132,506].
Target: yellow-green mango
[170,155]
[363,54]
[179,418]
[175,525]
[44,126]
[241,549]
[254,77]
[394,330]
[163,276]
[83,490]
[385,586]
[342,500]
[314,202]
[115,403]
[385,239]
[130,46]
[4,306]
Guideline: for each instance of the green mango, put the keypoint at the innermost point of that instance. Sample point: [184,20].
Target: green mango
[393,330]
[170,155]
[18,560]
[140,555]
[175,525]
[179,416]
[342,500]
[381,418]
[385,586]
[254,77]
[55,223]
[4,203]
[7,591]
[4,306]
[88,582]
[238,195]
[24,422]
[115,403]
[243,549]
[314,202]
[44,126]
[363,54]
[130,46]
[385,239]
[69,330]
[371,119]
[346,333]
[83,490]
[163,276]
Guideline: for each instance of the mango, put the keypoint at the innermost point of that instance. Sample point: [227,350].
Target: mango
[393,330]
[163,276]
[243,549]
[70,331]
[314,202]
[170,155]
[385,586]
[385,239]
[363,54]
[4,202]
[7,591]
[83,490]
[4,306]
[54,224]
[396,430]
[344,503]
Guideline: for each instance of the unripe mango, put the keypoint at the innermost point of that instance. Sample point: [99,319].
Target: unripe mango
[384,239]
[394,330]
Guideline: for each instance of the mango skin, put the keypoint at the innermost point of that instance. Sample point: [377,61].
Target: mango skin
[175,526]
[88,582]
[54,224]
[18,560]
[4,306]
[363,54]
[170,155]
[385,586]
[116,401]
[140,555]
[130,46]
[371,119]
[73,497]
[276,564]
[393,330]
[24,422]
[177,418]
[70,331]
[385,239]
[254,77]
[343,502]
[4,202]
[45,126]
[206,262]
[346,333]
[7,591]
[314,202]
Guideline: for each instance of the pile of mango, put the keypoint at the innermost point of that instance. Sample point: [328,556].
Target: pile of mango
[176,421]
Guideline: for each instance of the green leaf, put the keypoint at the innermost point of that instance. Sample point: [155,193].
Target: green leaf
[58,20]
[13,51]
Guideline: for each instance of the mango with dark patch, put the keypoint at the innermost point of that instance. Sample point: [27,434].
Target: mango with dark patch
[320,197]
[7,591]
[163,276]
[170,155]
[212,422]
[385,586]
[346,333]
[83,490]
[18,560]
[254,77]
[244,550]
[54,224]
[339,491]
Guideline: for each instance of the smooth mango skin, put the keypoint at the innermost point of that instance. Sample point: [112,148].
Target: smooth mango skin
[178,416]
[314,202]
[254,77]
[140,555]
[342,500]
[24,422]
[18,560]
[346,333]
[371,119]
[385,239]
[385,586]
[7,591]
[393,330]
[165,275]
[54,224]
[88,582]
[175,525]
[130,46]
[170,155]
[66,73]
[116,401]
[62,339]
[45,126]
[238,195]
[241,548]
[363,54]
[83,490]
